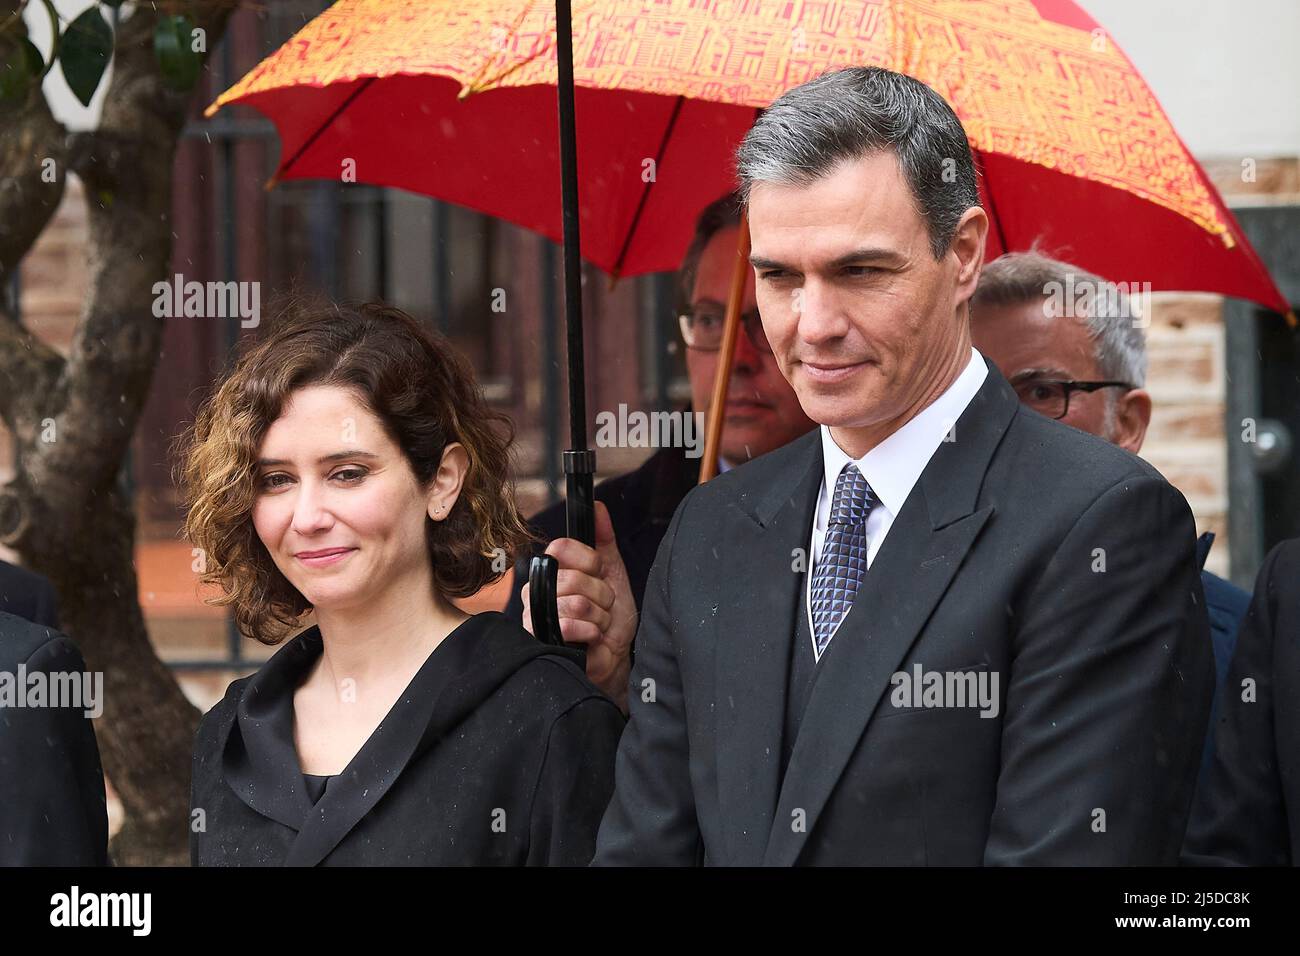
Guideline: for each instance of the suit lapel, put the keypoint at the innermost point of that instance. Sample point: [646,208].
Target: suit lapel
[753,637]
[926,546]
[906,580]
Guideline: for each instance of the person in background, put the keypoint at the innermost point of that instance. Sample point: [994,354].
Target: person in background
[28,595]
[1247,813]
[53,809]
[633,510]
[1087,371]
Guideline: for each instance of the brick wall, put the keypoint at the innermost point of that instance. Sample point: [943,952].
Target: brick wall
[1187,441]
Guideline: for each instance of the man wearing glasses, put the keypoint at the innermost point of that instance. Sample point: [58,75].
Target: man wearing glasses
[600,589]
[1087,371]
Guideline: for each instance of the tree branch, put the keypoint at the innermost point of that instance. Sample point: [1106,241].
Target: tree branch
[29,136]
[126,165]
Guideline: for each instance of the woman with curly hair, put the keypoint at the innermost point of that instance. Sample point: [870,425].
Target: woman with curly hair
[348,469]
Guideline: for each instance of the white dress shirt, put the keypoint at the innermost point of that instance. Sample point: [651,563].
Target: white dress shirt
[892,468]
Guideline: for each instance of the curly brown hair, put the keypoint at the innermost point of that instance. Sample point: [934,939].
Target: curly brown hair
[415,382]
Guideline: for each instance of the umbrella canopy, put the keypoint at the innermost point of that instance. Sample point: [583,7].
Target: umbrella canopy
[457,101]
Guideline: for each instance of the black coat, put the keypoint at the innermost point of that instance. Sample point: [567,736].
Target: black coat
[52,805]
[1105,679]
[1248,810]
[28,594]
[499,752]
[641,504]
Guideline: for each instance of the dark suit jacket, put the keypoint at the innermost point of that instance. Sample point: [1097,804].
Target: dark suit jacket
[1104,677]
[1226,605]
[641,504]
[28,595]
[1248,811]
[53,811]
[499,752]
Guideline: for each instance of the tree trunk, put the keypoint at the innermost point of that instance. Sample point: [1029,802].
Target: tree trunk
[66,512]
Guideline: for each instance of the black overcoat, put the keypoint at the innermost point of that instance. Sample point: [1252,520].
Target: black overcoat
[499,752]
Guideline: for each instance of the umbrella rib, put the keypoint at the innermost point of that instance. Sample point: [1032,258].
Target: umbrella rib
[325,125]
[645,193]
[478,84]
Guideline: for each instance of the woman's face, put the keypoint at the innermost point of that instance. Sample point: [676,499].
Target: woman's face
[338,507]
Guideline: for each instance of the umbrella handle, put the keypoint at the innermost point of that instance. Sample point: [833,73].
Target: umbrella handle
[542,575]
[580,521]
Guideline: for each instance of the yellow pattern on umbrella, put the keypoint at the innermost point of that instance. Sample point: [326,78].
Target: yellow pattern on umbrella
[1028,88]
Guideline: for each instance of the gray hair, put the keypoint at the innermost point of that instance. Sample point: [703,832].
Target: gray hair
[855,112]
[1119,346]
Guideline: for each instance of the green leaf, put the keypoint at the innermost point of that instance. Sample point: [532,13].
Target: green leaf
[84,54]
[20,63]
[172,45]
[35,62]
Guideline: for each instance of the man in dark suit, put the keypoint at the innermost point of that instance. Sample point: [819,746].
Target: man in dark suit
[1248,811]
[28,595]
[762,413]
[1087,367]
[942,629]
[52,804]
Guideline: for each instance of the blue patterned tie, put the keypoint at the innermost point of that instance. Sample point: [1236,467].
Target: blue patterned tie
[843,560]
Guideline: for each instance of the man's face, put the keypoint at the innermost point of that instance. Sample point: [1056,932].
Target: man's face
[1029,345]
[763,412]
[866,324]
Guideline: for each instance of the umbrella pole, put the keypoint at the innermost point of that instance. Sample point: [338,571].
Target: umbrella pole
[726,355]
[579,460]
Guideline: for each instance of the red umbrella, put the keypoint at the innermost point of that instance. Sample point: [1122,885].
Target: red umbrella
[457,101]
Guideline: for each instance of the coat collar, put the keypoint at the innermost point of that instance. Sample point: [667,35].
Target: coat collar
[927,543]
[260,761]
[1203,545]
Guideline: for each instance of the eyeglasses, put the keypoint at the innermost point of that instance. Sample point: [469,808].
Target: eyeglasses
[1052,397]
[702,329]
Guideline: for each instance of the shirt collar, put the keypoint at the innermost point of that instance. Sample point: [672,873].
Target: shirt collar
[894,466]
